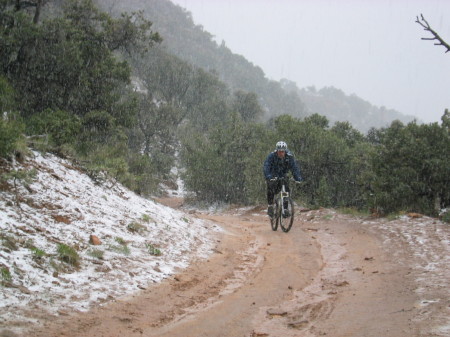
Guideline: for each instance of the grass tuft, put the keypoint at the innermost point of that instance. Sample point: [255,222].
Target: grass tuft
[121,248]
[136,227]
[37,253]
[147,218]
[153,250]
[68,255]
[97,253]
[5,276]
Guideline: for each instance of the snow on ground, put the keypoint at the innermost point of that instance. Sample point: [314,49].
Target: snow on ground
[426,242]
[419,243]
[64,206]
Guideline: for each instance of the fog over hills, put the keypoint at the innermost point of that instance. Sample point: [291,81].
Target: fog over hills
[373,49]
[193,44]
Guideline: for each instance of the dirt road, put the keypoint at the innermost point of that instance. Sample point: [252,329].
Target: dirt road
[329,276]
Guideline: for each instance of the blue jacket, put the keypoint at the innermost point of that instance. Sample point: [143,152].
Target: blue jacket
[277,167]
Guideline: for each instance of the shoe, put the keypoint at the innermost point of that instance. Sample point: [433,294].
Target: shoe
[270,211]
[286,213]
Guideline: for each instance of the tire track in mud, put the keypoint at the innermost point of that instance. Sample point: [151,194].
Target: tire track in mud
[276,270]
[298,316]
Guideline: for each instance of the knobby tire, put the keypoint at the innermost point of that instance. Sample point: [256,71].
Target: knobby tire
[286,223]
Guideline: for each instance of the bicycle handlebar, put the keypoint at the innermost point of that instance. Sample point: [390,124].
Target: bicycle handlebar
[286,178]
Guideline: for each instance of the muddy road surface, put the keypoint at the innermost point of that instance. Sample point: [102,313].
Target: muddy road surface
[331,275]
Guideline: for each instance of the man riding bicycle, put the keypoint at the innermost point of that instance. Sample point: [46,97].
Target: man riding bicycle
[276,166]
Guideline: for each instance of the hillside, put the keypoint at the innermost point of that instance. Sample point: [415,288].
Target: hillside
[338,106]
[190,42]
[140,241]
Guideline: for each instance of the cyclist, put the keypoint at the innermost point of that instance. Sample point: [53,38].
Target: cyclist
[277,164]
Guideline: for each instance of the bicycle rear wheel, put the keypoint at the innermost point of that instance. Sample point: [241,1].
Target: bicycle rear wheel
[287,220]
[275,217]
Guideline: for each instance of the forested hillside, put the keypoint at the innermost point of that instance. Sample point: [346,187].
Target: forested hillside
[196,46]
[191,43]
[100,87]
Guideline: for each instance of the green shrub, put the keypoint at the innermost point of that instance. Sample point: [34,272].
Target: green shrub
[68,255]
[135,227]
[153,250]
[24,177]
[411,168]
[5,275]
[61,126]
[121,248]
[11,131]
[6,95]
[445,217]
[97,121]
[146,218]
[107,162]
[143,174]
[119,240]
[38,253]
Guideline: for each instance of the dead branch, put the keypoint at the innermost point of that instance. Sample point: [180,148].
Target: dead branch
[436,36]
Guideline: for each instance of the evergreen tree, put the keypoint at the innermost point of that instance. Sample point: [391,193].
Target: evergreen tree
[412,168]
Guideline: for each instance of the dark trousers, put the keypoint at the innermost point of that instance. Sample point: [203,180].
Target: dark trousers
[274,187]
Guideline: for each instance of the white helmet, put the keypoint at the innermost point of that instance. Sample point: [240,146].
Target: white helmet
[281,146]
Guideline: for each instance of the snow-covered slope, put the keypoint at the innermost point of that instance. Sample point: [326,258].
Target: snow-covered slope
[141,241]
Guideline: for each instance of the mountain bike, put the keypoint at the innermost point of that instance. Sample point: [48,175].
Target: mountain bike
[283,209]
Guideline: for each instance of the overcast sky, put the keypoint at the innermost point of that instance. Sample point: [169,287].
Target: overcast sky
[371,48]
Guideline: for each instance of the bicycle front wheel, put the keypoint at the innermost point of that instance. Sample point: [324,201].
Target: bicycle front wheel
[287,219]
[275,217]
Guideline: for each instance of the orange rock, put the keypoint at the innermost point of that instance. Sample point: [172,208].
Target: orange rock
[94,240]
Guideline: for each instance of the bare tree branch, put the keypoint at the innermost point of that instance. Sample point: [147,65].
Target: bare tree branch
[436,36]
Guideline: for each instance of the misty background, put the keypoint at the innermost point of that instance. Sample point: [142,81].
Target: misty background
[372,49]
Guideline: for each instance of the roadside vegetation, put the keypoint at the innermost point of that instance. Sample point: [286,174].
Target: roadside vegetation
[68,86]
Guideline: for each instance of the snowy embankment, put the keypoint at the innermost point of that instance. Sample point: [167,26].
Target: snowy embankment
[140,242]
